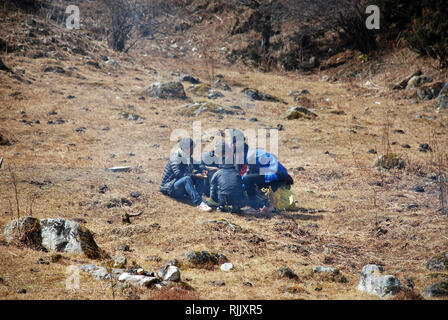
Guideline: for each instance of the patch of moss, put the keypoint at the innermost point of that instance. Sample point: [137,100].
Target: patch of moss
[201,89]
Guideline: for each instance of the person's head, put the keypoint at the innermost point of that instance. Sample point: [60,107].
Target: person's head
[186,145]
[223,151]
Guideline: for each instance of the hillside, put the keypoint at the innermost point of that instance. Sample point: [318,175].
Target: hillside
[71,108]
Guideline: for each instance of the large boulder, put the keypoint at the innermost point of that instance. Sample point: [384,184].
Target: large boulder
[54,234]
[373,281]
[166,90]
[416,81]
[68,236]
[443,98]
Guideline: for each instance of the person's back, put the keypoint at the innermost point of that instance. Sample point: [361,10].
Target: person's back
[226,187]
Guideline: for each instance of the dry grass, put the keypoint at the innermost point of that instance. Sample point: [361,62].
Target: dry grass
[360,222]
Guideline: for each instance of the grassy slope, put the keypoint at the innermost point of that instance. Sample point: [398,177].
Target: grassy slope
[343,186]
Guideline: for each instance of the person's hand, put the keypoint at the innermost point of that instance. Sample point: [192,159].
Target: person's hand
[204,172]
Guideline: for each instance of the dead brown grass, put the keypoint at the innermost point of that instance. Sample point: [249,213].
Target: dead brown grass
[71,166]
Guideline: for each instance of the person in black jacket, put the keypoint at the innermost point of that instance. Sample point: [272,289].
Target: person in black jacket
[182,177]
[226,185]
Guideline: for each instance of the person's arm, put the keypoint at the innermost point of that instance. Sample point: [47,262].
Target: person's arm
[176,167]
[214,187]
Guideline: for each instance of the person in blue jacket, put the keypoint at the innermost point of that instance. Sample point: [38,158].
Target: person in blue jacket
[259,169]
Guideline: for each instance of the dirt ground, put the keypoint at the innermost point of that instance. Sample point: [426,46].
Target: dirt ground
[66,129]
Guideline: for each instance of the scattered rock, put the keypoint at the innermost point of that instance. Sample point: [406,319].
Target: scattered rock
[124,247]
[169,273]
[55,257]
[436,290]
[429,92]
[416,81]
[438,262]
[389,161]
[166,90]
[223,222]
[153,258]
[187,78]
[218,283]
[21,291]
[205,257]
[403,83]
[103,189]
[139,280]
[221,85]
[286,273]
[54,69]
[406,146]
[298,112]
[215,95]
[120,169]
[202,90]
[424,147]
[443,98]
[247,284]
[292,289]
[373,281]
[135,194]
[131,116]
[118,262]
[4,141]
[254,94]
[372,151]
[227,266]
[418,189]
[198,108]
[321,269]
[27,230]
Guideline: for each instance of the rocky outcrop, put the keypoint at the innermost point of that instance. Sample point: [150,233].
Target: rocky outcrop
[437,290]
[54,234]
[373,281]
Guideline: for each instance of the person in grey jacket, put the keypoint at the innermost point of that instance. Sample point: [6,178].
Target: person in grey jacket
[182,177]
[226,186]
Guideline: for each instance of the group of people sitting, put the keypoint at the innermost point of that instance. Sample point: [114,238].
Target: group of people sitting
[233,176]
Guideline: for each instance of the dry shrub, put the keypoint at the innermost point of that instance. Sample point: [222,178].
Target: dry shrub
[407,294]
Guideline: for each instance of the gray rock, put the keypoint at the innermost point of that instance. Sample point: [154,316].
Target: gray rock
[166,90]
[227,266]
[254,94]
[416,81]
[438,262]
[169,273]
[224,222]
[443,98]
[120,169]
[298,112]
[119,262]
[140,280]
[215,95]
[68,236]
[437,290]
[204,257]
[29,228]
[286,273]
[373,282]
[188,78]
[320,269]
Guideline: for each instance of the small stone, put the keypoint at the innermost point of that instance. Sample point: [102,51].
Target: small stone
[103,189]
[286,273]
[119,262]
[218,283]
[135,194]
[372,151]
[300,169]
[406,146]
[418,189]
[140,271]
[247,284]
[21,291]
[424,147]
[226,266]
[321,269]
[55,258]
[153,258]
[124,247]
[120,169]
